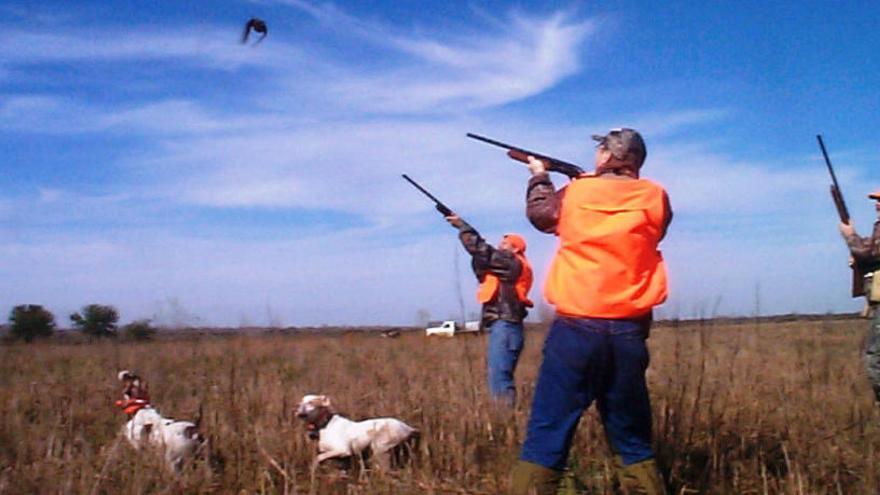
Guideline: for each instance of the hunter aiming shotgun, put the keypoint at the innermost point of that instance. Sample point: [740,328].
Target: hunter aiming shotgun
[858,282]
[443,209]
[521,155]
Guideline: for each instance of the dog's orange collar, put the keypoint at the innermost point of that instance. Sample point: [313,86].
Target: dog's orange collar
[132,406]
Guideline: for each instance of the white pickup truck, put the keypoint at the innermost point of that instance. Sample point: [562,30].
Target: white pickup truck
[450,328]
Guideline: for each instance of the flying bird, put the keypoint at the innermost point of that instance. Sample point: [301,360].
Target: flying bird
[258,26]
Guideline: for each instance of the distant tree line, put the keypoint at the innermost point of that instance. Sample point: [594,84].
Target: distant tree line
[29,322]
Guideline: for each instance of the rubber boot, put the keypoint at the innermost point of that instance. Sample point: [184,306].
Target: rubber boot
[571,485]
[641,478]
[528,478]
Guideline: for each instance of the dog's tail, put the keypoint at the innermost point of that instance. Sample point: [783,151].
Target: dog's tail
[414,439]
[407,451]
[192,432]
[198,421]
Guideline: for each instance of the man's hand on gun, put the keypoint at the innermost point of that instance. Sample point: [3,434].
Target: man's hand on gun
[454,220]
[536,166]
[847,230]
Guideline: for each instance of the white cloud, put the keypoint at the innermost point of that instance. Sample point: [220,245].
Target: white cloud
[320,280]
[455,72]
[212,47]
[659,125]
[799,268]
[60,115]
[384,274]
[48,195]
[37,14]
[6,208]
[701,181]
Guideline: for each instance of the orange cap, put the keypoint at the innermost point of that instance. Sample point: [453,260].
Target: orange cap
[875,195]
[516,242]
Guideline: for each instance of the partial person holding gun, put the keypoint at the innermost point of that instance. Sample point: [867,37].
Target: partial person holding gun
[865,264]
[606,277]
[865,253]
[505,277]
[865,250]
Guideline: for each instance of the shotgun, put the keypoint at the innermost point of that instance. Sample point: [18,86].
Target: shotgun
[437,203]
[521,155]
[858,280]
[836,195]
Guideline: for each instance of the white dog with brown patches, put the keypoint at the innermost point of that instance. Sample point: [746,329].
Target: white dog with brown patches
[340,437]
[146,428]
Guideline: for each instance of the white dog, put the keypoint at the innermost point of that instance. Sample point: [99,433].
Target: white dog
[340,437]
[177,440]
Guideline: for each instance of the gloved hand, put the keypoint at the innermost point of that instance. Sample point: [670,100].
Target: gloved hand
[536,166]
[455,220]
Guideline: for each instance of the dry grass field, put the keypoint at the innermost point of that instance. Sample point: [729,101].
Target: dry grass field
[770,408]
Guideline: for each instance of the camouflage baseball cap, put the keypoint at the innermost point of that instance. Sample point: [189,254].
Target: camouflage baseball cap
[624,144]
[875,195]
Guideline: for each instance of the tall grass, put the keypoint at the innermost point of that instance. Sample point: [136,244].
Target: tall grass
[783,408]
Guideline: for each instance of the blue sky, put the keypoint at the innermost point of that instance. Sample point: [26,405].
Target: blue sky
[153,163]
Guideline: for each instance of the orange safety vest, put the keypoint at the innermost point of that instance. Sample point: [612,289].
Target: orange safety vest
[608,264]
[489,287]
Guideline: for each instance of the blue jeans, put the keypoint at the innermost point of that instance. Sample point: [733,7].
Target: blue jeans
[505,345]
[587,359]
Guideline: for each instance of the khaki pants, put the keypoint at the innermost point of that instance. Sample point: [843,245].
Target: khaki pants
[872,354]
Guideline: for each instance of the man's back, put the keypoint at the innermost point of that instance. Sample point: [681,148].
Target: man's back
[607,264]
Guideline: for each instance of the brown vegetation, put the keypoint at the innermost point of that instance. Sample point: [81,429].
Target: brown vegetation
[770,408]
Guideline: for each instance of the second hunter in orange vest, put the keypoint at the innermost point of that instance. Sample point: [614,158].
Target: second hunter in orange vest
[489,287]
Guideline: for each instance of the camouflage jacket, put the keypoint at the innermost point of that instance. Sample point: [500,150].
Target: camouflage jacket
[543,203]
[486,259]
[866,250]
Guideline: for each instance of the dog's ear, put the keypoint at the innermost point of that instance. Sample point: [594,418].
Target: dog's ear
[145,432]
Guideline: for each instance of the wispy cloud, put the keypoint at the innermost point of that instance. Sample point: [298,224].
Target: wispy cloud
[301,278]
[264,156]
[209,46]
[458,71]
[61,115]
[708,182]
[37,13]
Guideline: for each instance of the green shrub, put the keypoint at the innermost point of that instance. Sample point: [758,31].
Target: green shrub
[139,330]
[30,321]
[96,320]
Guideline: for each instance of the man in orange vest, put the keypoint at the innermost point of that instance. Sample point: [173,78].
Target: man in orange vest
[606,277]
[505,279]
